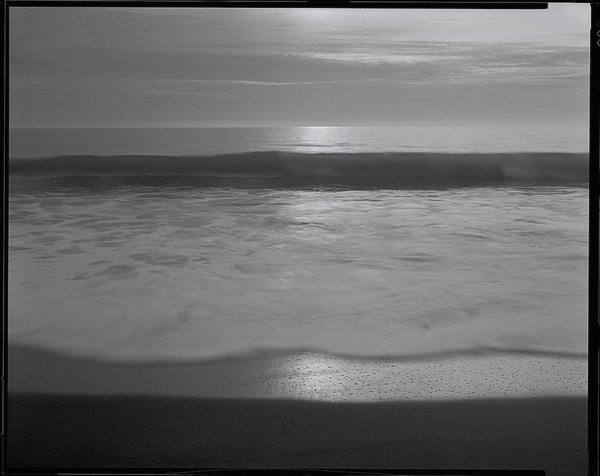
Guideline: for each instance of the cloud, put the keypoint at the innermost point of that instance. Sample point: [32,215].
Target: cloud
[339,62]
[422,62]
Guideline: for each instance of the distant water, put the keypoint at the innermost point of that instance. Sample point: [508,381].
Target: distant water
[212,141]
[152,244]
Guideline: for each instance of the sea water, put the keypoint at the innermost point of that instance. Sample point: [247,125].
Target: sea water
[193,244]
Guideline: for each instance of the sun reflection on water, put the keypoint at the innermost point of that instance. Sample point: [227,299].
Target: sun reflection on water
[320,139]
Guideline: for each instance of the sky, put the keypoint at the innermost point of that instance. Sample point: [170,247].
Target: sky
[158,67]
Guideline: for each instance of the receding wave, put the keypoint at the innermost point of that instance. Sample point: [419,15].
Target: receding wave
[419,168]
[271,353]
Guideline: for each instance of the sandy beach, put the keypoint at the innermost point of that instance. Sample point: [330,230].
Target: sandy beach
[71,413]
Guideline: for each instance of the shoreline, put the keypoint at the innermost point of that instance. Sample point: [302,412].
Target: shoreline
[305,376]
[289,411]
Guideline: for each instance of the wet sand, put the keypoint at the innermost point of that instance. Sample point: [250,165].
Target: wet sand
[126,416]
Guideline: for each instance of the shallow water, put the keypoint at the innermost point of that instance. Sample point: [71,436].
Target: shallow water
[173,271]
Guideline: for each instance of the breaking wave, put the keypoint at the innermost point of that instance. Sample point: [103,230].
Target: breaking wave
[417,168]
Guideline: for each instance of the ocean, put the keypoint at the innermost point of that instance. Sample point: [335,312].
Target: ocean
[168,245]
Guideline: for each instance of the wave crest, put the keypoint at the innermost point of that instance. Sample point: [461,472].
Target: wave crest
[402,167]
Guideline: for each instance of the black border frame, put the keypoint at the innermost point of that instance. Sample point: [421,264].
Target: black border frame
[594,240]
[593,432]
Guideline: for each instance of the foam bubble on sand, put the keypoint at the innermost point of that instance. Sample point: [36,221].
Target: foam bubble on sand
[308,376]
[329,378]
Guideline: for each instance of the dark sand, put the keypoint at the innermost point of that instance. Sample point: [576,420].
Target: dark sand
[72,429]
